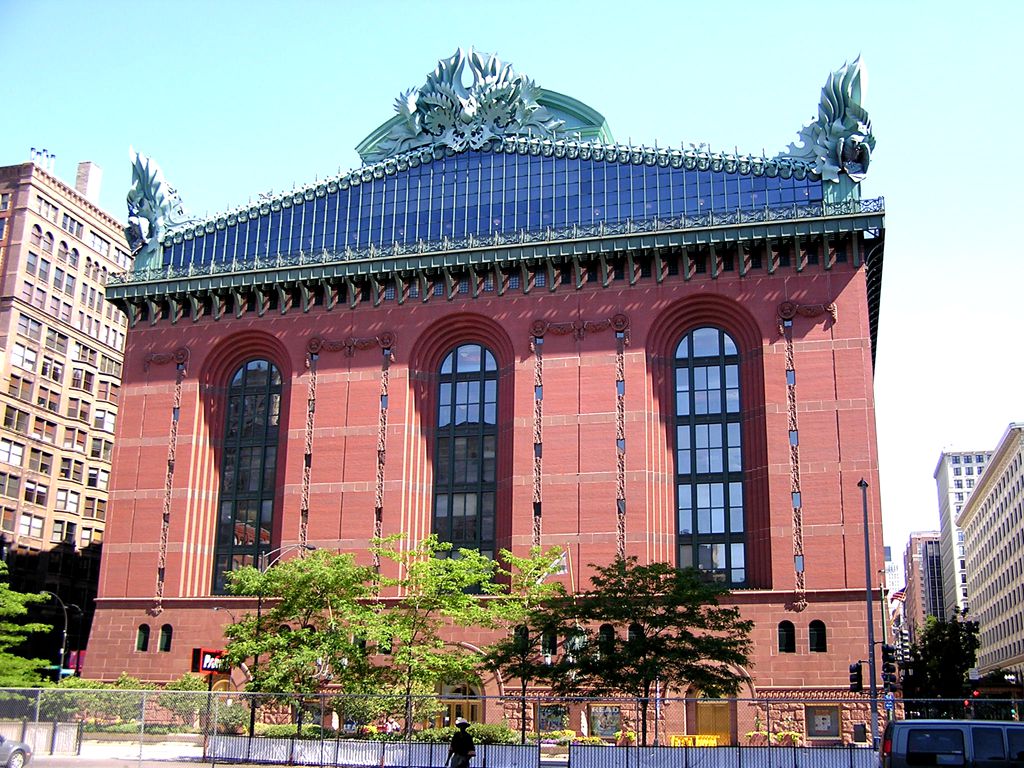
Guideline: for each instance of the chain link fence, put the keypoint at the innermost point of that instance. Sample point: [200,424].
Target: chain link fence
[513,732]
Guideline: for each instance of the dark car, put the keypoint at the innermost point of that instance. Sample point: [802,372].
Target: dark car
[14,754]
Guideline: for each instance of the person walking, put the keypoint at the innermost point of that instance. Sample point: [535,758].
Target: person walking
[462,749]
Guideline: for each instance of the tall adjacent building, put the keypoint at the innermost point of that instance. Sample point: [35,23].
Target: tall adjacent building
[955,477]
[922,564]
[61,370]
[509,330]
[993,523]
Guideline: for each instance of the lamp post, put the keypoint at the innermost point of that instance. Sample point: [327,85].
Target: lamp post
[64,632]
[264,561]
[863,485]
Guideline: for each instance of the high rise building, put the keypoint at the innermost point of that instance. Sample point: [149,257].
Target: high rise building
[956,475]
[508,330]
[993,524]
[922,564]
[61,371]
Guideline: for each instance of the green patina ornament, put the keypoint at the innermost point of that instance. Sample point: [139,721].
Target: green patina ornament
[448,113]
[153,207]
[840,140]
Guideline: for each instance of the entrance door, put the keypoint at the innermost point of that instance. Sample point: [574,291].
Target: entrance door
[714,719]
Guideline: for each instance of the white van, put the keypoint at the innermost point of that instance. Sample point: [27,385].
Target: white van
[967,743]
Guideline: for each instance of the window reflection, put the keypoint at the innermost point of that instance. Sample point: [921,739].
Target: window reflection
[248,467]
[465,469]
[481,193]
[709,456]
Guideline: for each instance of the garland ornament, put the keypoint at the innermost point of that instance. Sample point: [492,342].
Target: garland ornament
[840,140]
[446,113]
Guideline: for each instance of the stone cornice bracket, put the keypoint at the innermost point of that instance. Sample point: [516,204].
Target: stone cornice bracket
[349,346]
[578,329]
[788,310]
[178,357]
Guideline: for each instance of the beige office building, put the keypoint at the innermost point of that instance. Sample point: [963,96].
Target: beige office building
[59,380]
[993,524]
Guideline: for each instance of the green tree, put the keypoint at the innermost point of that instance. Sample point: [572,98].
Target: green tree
[186,697]
[17,671]
[519,652]
[436,588]
[941,658]
[309,635]
[642,624]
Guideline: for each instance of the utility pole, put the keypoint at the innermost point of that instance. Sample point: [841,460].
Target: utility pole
[863,485]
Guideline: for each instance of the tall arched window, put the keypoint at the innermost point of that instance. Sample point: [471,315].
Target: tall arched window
[816,636]
[166,635]
[142,638]
[248,468]
[465,468]
[787,637]
[709,456]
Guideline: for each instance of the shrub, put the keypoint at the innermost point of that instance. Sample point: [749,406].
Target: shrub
[482,733]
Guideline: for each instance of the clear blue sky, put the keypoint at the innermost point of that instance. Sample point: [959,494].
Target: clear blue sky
[237,98]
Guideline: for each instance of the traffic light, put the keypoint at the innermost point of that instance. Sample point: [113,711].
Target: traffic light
[856,677]
[888,667]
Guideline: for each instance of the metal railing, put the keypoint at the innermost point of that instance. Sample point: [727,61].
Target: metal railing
[331,729]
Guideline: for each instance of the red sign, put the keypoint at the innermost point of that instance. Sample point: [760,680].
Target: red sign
[210,661]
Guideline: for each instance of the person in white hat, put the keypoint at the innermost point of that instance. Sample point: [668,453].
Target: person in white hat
[462,748]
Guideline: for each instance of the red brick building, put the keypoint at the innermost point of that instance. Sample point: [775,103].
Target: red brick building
[510,331]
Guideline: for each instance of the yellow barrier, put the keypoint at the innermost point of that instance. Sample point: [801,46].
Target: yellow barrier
[693,740]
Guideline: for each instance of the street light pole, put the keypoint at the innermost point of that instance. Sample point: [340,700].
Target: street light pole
[264,561]
[64,632]
[863,485]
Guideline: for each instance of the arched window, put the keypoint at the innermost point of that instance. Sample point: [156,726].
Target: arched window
[606,640]
[142,638]
[62,251]
[817,639]
[166,633]
[465,467]
[73,257]
[248,468]
[47,244]
[549,643]
[787,637]
[36,235]
[521,634]
[709,456]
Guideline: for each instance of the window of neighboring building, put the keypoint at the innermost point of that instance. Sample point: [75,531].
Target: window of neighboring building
[248,469]
[954,459]
[465,469]
[166,632]
[11,453]
[142,638]
[817,640]
[787,637]
[709,462]
[30,525]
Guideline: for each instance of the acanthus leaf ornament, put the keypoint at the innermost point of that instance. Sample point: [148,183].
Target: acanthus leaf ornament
[446,113]
[153,207]
[840,140]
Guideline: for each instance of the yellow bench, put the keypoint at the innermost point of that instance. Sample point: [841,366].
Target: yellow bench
[693,740]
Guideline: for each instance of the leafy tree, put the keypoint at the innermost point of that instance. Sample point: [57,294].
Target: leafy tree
[186,697]
[18,671]
[308,634]
[519,653]
[941,658]
[639,624]
[436,588]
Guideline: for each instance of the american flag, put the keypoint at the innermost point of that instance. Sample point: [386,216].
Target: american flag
[899,595]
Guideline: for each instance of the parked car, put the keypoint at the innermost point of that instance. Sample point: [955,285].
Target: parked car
[960,743]
[14,754]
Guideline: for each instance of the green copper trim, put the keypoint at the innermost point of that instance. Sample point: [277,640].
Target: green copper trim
[803,221]
[840,141]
